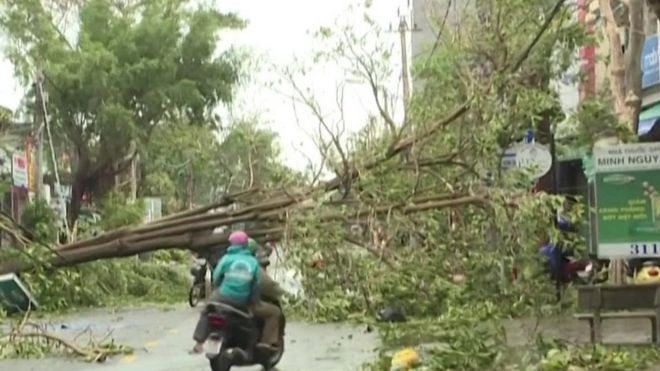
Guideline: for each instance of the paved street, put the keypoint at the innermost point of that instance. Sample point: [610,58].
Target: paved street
[163,337]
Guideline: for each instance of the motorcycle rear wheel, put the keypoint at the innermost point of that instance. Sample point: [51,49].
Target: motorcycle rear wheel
[219,363]
[276,358]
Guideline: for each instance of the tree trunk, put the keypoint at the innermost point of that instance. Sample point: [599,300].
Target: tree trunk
[133,181]
[78,189]
[654,6]
[625,80]
[617,72]
[117,178]
[634,62]
[194,233]
[134,171]
[650,20]
[119,248]
[625,71]
[175,219]
[190,187]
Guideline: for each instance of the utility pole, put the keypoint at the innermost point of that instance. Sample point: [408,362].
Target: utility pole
[45,119]
[403,29]
[39,134]
[405,72]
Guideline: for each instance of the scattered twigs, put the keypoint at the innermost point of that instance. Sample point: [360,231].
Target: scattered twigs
[18,342]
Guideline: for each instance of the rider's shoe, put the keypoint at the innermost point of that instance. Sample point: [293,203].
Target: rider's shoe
[266,346]
[197,349]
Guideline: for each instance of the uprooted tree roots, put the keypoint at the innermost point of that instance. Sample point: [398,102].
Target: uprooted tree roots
[27,339]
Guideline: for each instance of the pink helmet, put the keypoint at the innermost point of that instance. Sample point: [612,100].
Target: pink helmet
[238,238]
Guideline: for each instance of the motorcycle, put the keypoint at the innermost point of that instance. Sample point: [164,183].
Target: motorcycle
[198,290]
[234,334]
[233,339]
[595,272]
[577,272]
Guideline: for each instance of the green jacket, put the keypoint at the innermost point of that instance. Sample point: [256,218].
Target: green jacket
[237,276]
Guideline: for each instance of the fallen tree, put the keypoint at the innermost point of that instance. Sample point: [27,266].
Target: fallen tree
[184,230]
[196,237]
[193,229]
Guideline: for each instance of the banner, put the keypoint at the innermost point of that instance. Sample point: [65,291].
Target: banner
[627,181]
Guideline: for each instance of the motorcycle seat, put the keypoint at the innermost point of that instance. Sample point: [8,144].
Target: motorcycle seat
[223,307]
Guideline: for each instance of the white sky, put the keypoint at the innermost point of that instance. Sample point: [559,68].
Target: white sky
[279,32]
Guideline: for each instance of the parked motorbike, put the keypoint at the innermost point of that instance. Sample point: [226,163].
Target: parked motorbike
[578,272]
[595,272]
[198,290]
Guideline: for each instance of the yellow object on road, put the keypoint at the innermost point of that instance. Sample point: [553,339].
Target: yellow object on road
[405,359]
[649,274]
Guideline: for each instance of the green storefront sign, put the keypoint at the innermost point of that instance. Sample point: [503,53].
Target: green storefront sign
[627,187]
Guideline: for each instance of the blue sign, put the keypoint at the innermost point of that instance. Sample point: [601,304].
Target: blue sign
[650,67]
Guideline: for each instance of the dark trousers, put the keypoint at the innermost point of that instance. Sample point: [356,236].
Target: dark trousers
[202,328]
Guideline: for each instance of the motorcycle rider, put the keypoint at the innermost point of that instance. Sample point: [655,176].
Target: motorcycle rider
[236,278]
[269,312]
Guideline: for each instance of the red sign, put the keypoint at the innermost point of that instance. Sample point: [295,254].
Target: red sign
[19,170]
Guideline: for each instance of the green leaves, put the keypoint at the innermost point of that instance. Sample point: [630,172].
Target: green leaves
[110,282]
[117,212]
[449,267]
[185,162]
[594,120]
[177,154]
[128,70]
[39,218]
[577,358]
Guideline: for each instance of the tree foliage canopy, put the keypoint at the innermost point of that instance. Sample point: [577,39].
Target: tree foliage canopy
[130,67]
[189,164]
[431,224]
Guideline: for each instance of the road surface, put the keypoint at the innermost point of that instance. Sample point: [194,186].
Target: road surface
[162,339]
[615,331]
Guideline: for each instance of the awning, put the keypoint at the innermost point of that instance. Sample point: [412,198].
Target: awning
[647,118]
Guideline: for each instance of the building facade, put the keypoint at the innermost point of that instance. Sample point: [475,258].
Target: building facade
[424,30]
[594,65]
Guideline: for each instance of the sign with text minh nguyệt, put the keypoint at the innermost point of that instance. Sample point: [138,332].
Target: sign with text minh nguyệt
[627,200]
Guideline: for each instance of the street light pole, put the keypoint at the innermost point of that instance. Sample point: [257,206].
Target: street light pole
[39,135]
